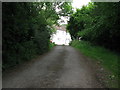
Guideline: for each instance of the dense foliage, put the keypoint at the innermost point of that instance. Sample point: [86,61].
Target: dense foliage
[98,23]
[27,28]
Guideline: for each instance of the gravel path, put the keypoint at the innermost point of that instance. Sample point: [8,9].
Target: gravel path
[62,67]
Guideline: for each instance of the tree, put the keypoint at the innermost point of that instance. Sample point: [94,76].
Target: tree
[26,29]
[97,23]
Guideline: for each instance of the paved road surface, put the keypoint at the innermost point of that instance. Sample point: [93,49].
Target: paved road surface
[62,67]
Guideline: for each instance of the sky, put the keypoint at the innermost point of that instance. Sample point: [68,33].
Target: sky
[80,3]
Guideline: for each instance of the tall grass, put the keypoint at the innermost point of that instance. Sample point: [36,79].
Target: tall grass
[107,58]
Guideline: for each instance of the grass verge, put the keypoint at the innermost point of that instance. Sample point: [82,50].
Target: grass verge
[107,58]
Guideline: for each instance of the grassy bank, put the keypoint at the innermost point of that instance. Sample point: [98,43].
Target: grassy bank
[108,59]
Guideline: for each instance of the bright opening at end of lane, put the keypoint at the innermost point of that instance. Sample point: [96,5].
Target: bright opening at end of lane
[61,37]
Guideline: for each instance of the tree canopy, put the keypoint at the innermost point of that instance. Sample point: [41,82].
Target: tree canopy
[27,27]
[98,23]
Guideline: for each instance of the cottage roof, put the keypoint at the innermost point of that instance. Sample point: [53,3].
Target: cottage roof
[63,28]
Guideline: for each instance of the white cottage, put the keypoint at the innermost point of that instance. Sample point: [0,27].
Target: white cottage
[61,36]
